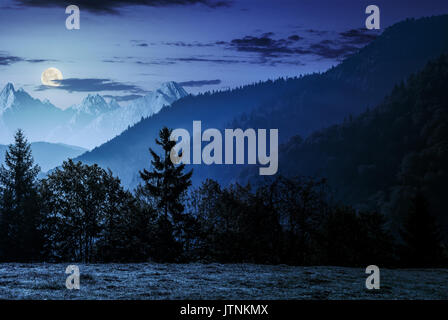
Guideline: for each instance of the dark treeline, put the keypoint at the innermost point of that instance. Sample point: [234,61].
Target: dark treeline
[82,213]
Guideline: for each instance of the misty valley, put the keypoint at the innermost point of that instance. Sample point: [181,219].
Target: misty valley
[285,187]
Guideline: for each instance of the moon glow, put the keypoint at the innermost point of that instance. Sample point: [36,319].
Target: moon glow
[49,75]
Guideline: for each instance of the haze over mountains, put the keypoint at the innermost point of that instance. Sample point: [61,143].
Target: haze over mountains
[87,125]
[297,106]
[380,158]
[48,155]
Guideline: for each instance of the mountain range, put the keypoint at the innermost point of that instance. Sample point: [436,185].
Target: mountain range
[298,107]
[381,158]
[48,155]
[346,124]
[88,124]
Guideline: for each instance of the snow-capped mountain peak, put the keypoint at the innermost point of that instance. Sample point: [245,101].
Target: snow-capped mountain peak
[172,89]
[94,104]
[114,104]
[7,97]
[88,124]
[9,87]
[110,124]
[154,101]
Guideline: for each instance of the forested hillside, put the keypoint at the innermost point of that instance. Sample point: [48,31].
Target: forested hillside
[294,106]
[381,158]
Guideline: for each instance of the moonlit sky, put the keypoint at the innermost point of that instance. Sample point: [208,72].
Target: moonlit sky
[205,45]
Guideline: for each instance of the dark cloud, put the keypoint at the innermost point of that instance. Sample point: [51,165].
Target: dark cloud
[124,98]
[345,44]
[38,60]
[264,45]
[155,63]
[116,59]
[251,41]
[269,51]
[199,83]
[6,59]
[162,62]
[195,59]
[294,37]
[268,34]
[112,61]
[324,49]
[113,6]
[139,43]
[317,32]
[188,44]
[358,36]
[91,85]
[177,44]
[274,51]
[266,49]
[271,60]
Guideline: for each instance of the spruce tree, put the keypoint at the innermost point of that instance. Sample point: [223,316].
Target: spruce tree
[20,212]
[167,182]
[164,187]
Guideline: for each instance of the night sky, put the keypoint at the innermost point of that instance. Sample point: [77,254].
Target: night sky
[126,51]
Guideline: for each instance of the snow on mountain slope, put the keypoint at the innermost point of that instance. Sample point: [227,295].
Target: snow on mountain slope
[93,105]
[110,124]
[155,101]
[6,98]
[88,124]
[19,110]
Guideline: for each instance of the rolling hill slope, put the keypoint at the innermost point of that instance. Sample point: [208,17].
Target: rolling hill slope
[295,106]
[48,155]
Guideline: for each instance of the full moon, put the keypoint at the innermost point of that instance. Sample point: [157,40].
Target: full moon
[49,75]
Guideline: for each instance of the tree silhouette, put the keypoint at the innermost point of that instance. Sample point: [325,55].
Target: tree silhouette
[165,186]
[19,202]
[166,183]
[86,211]
[421,236]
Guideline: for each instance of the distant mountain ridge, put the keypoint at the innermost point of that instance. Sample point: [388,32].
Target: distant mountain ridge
[297,106]
[48,155]
[88,124]
[359,82]
[382,158]
[19,110]
[109,124]
[93,104]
